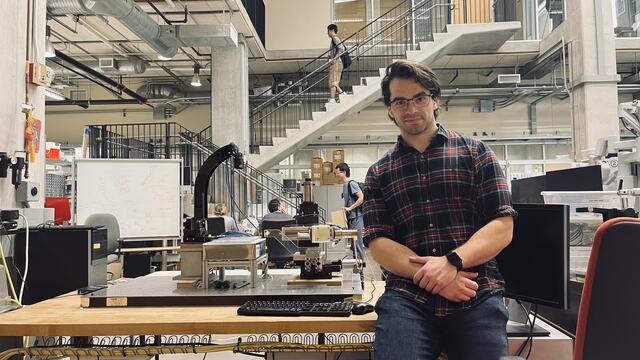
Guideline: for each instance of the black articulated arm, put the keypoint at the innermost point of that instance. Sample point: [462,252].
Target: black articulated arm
[200,196]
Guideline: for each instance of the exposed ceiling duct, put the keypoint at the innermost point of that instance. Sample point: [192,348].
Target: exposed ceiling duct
[169,92]
[161,39]
[112,66]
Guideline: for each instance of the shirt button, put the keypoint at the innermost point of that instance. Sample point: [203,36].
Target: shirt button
[430,225]
[433,250]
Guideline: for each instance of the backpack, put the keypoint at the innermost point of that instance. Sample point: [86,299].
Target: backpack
[353,196]
[345,57]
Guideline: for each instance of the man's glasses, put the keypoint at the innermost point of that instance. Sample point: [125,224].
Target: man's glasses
[419,100]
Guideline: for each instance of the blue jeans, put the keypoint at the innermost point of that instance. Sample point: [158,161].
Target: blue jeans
[358,223]
[407,329]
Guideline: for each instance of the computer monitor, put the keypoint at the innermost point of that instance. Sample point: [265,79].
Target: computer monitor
[587,178]
[535,265]
[528,190]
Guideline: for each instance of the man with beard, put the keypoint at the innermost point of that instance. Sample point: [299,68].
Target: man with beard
[437,211]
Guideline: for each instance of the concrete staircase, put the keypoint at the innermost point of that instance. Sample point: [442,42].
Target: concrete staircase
[459,39]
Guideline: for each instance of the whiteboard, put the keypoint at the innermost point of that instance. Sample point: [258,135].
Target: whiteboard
[143,194]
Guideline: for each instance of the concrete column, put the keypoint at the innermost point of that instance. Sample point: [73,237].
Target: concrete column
[16,92]
[230,110]
[230,95]
[588,31]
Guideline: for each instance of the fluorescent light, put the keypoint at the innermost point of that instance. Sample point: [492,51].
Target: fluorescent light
[49,50]
[347,20]
[164,58]
[52,94]
[195,80]
[343,1]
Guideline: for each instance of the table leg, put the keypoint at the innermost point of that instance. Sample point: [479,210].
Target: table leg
[254,272]
[158,341]
[164,255]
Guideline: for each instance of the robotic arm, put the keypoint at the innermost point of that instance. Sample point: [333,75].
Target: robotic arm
[195,230]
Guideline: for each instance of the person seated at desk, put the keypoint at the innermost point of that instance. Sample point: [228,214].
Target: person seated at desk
[276,212]
[220,210]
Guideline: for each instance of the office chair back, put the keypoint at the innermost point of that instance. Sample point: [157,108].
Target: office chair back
[279,251]
[277,224]
[113,229]
[608,317]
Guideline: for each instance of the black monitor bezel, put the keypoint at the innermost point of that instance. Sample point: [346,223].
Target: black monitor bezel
[564,302]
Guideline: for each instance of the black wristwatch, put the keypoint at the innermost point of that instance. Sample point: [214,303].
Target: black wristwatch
[455,260]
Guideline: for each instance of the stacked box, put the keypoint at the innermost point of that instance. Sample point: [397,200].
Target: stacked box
[337,156]
[316,170]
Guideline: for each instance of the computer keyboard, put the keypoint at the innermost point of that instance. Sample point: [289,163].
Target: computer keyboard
[294,308]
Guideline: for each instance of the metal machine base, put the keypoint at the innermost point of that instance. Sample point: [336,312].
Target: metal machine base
[161,290]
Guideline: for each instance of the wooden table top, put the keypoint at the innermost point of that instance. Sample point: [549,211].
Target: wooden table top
[63,316]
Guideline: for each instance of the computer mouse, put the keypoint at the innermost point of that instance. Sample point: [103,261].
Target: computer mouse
[362,308]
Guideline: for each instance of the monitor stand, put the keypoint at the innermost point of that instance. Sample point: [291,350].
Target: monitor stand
[518,326]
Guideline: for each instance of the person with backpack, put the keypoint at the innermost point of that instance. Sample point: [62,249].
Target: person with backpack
[353,195]
[337,62]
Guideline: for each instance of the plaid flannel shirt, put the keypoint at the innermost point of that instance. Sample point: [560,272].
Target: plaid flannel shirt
[433,202]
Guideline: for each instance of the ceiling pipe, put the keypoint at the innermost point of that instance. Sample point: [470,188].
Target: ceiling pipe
[106,79]
[169,92]
[131,66]
[161,39]
[86,103]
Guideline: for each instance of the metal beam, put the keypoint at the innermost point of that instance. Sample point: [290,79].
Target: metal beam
[106,79]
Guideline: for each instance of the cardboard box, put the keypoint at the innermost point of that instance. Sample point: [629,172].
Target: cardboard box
[329,179]
[316,176]
[337,156]
[339,218]
[327,167]
[316,164]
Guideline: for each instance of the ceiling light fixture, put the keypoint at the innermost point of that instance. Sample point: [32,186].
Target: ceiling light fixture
[164,58]
[52,94]
[195,80]
[49,50]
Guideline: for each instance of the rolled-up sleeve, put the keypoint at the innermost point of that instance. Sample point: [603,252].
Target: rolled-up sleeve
[377,219]
[492,193]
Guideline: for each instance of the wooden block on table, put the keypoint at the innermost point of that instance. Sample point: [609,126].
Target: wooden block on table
[187,284]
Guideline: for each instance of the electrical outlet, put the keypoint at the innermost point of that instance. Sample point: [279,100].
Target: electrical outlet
[28,191]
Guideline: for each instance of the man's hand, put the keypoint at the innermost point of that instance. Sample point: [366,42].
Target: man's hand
[436,273]
[462,288]
[346,210]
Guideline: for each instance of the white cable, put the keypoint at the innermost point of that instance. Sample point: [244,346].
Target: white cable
[26,257]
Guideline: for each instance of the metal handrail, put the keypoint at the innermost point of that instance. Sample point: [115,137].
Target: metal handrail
[172,140]
[358,50]
[324,54]
[326,64]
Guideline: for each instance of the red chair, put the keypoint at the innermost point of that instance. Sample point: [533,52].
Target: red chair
[61,208]
[608,317]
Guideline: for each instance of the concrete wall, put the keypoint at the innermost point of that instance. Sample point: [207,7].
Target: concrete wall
[297,24]
[13,41]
